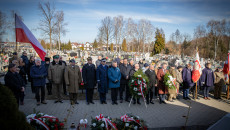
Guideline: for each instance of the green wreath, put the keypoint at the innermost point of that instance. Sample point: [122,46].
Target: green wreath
[169,81]
[138,84]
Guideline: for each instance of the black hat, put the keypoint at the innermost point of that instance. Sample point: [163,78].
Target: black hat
[11,66]
[146,65]
[15,53]
[47,59]
[89,58]
[72,61]
[56,57]
[103,60]
[179,67]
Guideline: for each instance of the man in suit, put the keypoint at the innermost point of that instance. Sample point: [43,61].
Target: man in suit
[152,83]
[102,80]
[114,76]
[163,90]
[125,69]
[89,79]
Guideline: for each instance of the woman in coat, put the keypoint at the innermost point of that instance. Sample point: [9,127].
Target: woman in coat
[114,76]
[102,80]
[73,79]
[163,90]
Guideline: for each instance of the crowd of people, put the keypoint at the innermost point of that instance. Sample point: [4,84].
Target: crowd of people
[59,78]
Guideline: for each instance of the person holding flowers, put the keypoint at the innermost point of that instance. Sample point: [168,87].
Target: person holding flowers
[162,88]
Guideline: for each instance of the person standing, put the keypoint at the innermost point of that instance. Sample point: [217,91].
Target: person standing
[125,69]
[207,80]
[26,61]
[31,63]
[102,80]
[73,80]
[38,74]
[163,90]
[152,83]
[89,79]
[55,75]
[187,80]
[64,84]
[131,73]
[98,62]
[114,76]
[179,79]
[48,83]
[219,82]
[172,92]
[14,81]
[22,73]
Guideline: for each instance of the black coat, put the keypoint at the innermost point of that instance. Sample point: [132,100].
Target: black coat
[89,75]
[124,73]
[14,81]
[152,77]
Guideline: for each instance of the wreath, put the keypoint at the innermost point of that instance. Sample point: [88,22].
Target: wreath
[102,123]
[138,84]
[169,81]
[130,122]
[43,121]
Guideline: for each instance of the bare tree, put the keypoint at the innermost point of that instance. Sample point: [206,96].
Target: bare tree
[106,30]
[3,25]
[118,24]
[47,22]
[60,26]
[178,36]
[216,30]
[130,31]
[145,32]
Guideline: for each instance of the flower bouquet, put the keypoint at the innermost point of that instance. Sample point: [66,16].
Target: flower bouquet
[102,123]
[42,121]
[169,81]
[130,122]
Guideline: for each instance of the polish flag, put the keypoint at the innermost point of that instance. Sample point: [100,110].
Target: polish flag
[23,34]
[196,73]
[226,68]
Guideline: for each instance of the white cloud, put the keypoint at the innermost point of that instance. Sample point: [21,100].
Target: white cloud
[99,14]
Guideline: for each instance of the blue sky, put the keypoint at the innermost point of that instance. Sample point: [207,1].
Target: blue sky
[84,16]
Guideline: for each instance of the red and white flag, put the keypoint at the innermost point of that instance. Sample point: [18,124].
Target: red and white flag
[196,73]
[23,34]
[226,68]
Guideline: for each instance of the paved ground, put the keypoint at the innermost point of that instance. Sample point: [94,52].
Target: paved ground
[202,112]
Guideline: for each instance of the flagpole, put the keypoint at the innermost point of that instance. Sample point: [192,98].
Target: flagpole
[196,92]
[15,34]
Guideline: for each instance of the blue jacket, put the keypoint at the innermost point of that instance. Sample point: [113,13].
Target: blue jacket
[38,75]
[102,78]
[114,74]
[187,78]
[207,77]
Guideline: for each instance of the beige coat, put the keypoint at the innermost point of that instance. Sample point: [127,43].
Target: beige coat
[73,78]
[219,79]
[56,73]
